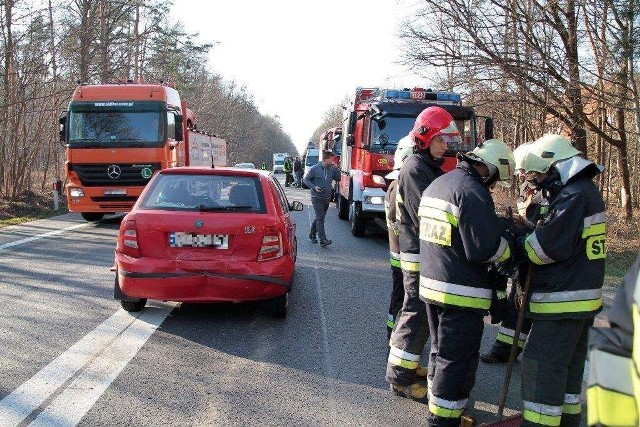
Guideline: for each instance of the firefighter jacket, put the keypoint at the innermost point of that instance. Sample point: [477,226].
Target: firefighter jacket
[613,393]
[417,173]
[287,166]
[460,234]
[568,251]
[392,227]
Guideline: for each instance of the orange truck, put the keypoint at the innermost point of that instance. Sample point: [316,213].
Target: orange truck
[374,123]
[118,135]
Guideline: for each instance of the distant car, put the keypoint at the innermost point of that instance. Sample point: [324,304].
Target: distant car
[208,235]
[247,165]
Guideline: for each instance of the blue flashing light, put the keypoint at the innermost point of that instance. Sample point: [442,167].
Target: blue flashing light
[404,94]
[391,93]
[455,97]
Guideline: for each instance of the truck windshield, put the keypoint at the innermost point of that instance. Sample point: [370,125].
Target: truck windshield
[116,124]
[386,134]
[311,160]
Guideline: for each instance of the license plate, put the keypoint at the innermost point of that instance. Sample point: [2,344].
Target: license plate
[179,240]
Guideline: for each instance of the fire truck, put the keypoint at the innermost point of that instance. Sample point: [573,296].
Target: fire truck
[373,124]
[118,135]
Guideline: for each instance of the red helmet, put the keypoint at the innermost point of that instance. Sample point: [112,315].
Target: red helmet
[428,124]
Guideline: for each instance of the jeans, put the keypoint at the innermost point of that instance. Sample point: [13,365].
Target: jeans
[320,206]
[298,179]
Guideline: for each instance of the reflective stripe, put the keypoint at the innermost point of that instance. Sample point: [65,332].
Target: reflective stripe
[566,302]
[394,255]
[610,371]
[441,205]
[446,408]
[594,225]
[395,263]
[390,321]
[534,250]
[402,358]
[502,252]
[571,404]
[505,335]
[409,261]
[428,212]
[540,413]
[609,408]
[452,294]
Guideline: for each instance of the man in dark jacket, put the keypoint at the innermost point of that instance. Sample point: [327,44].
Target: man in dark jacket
[320,179]
[404,150]
[298,171]
[411,329]
[568,255]
[460,238]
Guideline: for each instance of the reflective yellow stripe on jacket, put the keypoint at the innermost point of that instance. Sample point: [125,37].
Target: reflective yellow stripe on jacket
[566,302]
[506,335]
[410,262]
[540,413]
[453,294]
[404,359]
[610,400]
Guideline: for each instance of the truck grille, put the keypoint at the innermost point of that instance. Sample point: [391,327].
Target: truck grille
[115,174]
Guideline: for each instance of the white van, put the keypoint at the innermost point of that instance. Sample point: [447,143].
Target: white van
[311,157]
[278,162]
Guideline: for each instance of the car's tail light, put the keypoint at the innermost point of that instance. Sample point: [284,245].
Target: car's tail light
[271,247]
[128,239]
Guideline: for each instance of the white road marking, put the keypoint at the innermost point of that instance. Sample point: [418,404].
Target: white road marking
[94,361]
[42,236]
[325,342]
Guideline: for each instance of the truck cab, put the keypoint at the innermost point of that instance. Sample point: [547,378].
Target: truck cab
[373,125]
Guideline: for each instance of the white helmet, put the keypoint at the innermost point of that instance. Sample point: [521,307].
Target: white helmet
[544,152]
[403,150]
[497,156]
[519,154]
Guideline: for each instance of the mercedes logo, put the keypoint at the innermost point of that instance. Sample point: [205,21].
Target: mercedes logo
[114,171]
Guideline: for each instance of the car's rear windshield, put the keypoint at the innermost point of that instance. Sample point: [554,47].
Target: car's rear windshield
[207,193]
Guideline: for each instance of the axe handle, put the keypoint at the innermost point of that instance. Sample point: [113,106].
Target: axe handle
[516,340]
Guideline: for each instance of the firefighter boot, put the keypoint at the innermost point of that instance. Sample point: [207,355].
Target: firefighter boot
[499,353]
[415,391]
[421,373]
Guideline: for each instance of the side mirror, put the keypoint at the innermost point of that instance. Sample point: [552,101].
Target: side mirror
[350,140]
[488,128]
[62,131]
[296,206]
[178,135]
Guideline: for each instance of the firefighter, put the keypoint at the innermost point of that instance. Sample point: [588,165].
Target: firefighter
[613,393]
[411,330]
[288,170]
[404,150]
[568,254]
[461,238]
[531,208]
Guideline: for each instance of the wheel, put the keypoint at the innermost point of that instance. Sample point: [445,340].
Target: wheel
[92,216]
[133,305]
[277,307]
[343,207]
[358,223]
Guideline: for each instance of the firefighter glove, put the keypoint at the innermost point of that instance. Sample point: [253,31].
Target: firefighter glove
[499,306]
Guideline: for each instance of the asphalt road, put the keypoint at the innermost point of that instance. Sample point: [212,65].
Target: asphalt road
[71,356]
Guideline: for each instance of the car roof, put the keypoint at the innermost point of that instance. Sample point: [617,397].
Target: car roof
[225,171]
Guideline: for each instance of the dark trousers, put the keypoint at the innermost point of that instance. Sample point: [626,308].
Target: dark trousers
[397,298]
[552,370]
[320,207]
[298,176]
[409,334]
[505,336]
[455,348]
[288,179]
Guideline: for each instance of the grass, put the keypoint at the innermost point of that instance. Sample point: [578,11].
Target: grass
[28,207]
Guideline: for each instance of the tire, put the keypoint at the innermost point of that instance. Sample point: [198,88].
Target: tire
[92,216]
[358,223]
[277,307]
[128,303]
[343,207]
[133,306]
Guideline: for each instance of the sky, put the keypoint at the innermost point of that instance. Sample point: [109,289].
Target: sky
[299,58]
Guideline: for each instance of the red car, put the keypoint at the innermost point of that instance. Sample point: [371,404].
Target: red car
[200,234]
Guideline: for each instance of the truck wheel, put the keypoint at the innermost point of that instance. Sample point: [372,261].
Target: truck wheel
[343,207]
[92,216]
[358,223]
